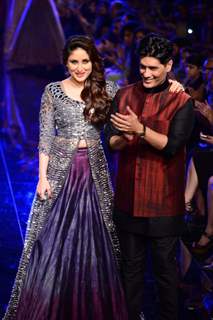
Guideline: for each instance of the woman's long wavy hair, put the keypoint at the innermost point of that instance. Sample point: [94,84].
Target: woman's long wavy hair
[94,93]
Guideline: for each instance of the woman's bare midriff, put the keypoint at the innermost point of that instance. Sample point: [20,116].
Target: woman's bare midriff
[82,144]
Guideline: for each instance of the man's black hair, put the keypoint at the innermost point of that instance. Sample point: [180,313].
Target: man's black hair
[156,46]
[129,26]
[195,59]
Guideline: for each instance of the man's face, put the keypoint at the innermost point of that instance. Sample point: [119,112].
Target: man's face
[210,81]
[128,37]
[192,71]
[139,36]
[207,68]
[153,72]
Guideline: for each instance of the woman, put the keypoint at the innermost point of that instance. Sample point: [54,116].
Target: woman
[68,268]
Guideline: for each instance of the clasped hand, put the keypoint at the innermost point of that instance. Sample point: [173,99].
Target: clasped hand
[128,123]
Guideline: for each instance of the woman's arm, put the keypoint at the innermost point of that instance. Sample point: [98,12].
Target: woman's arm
[46,136]
[120,142]
[43,186]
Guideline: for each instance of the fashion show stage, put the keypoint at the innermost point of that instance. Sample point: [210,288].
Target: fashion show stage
[21,91]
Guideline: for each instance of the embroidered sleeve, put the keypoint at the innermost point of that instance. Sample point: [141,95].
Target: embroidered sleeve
[46,122]
[111,88]
[109,129]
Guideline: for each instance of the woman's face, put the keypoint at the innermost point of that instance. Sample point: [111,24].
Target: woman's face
[79,65]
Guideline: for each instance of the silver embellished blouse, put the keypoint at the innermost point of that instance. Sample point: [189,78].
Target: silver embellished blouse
[62,116]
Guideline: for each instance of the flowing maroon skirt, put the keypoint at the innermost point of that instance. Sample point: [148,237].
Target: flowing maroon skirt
[72,274]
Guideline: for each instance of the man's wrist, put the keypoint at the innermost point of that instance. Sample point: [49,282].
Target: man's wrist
[142,131]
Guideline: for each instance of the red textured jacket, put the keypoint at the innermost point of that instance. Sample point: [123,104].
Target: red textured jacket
[149,184]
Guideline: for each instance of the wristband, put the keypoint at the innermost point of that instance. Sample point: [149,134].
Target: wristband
[143,133]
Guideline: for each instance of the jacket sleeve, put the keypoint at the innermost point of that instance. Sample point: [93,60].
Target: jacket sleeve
[180,129]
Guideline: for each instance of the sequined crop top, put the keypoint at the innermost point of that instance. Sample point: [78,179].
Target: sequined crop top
[60,115]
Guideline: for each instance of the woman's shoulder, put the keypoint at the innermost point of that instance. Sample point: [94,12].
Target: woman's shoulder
[111,88]
[53,89]
[52,86]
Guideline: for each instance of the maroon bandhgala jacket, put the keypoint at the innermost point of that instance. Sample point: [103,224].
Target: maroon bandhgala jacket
[150,184]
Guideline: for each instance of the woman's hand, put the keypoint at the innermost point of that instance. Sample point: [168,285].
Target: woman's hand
[43,189]
[175,86]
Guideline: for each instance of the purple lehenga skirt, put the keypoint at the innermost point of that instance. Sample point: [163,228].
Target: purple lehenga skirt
[72,274]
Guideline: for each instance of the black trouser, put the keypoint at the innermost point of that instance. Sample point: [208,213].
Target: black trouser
[163,253]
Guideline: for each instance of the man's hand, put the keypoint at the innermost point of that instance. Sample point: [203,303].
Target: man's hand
[206,138]
[128,124]
[205,110]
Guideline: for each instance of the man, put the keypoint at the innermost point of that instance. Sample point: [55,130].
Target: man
[194,81]
[149,128]
[207,67]
[208,77]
